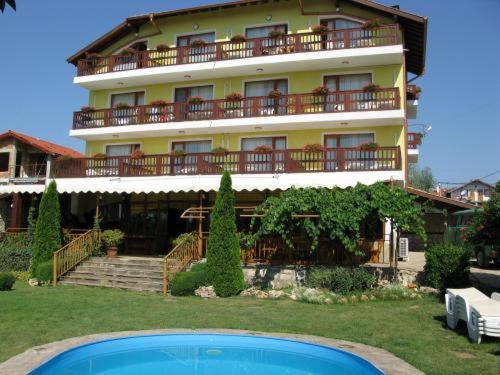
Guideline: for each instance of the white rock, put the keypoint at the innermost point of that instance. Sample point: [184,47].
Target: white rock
[428,290]
[276,293]
[33,282]
[205,292]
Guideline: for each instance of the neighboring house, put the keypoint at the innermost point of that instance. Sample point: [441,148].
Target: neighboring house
[23,171]
[176,97]
[475,191]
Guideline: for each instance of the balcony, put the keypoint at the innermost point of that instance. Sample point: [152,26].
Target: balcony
[414,140]
[237,162]
[26,174]
[287,112]
[333,49]
[412,97]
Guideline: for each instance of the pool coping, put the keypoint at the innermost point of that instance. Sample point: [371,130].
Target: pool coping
[32,358]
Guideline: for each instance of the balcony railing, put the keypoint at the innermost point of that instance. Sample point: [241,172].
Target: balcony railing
[293,104]
[414,140]
[237,162]
[28,171]
[412,92]
[221,51]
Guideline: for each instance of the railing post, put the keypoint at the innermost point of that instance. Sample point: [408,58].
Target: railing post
[54,270]
[341,159]
[298,43]
[257,47]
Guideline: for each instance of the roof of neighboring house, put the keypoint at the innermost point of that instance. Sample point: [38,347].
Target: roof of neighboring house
[475,181]
[440,200]
[44,146]
[414,28]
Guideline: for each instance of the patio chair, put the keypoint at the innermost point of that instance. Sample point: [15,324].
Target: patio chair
[481,313]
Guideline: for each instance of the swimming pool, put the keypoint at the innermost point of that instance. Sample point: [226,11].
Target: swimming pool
[204,354]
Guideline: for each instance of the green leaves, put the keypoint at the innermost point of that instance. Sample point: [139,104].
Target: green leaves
[338,214]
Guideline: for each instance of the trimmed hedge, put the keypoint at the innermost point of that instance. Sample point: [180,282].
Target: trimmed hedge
[340,280]
[14,258]
[43,271]
[185,283]
[7,280]
[223,254]
[446,266]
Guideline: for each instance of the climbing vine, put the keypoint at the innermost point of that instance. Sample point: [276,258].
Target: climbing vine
[337,214]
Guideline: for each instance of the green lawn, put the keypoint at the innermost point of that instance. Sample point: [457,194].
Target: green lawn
[412,329]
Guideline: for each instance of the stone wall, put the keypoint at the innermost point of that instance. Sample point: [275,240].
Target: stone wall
[275,277]
[4,214]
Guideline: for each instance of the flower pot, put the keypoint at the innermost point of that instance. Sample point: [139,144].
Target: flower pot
[112,252]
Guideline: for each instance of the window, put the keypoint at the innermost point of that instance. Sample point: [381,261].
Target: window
[195,111]
[189,163]
[183,93]
[340,24]
[197,54]
[264,162]
[4,161]
[263,31]
[121,150]
[186,40]
[353,159]
[262,88]
[347,82]
[276,143]
[348,140]
[131,98]
[190,147]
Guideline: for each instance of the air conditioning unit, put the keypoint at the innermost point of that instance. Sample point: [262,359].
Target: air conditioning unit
[404,248]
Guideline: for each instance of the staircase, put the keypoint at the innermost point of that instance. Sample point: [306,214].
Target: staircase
[124,272]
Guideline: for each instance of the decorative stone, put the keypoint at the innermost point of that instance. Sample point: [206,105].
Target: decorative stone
[261,294]
[354,299]
[205,292]
[33,282]
[293,296]
[276,293]
[428,290]
[372,298]
[364,298]
[250,292]
[343,300]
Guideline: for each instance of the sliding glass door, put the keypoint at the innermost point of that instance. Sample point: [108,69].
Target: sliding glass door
[348,157]
[256,157]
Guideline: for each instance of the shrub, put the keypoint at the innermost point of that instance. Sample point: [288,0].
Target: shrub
[446,266]
[340,280]
[48,227]
[112,237]
[14,258]
[238,38]
[199,43]
[223,254]
[159,102]
[320,29]
[182,237]
[185,283]
[7,280]
[43,272]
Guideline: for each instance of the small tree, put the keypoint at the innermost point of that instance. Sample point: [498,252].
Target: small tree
[48,227]
[223,255]
[31,223]
[421,178]
[485,227]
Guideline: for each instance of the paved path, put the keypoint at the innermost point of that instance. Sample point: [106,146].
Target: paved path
[33,357]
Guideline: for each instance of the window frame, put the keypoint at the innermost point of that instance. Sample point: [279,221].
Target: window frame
[191,37]
[133,146]
[189,88]
[273,137]
[183,143]
[136,97]
[339,135]
[275,86]
[337,78]
[325,20]
[274,26]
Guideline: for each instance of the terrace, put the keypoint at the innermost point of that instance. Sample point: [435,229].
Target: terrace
[237,162]
[293,104]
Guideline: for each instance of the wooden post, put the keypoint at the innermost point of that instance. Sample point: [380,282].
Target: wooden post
[16,210]
[200,228]
[54,270]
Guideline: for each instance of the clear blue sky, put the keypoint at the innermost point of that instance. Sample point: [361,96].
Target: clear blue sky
[461,86]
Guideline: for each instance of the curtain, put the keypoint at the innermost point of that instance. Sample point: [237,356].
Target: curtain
[120,150]
[249,144]
[130,98]
[193,146]
[354,81]
[355,140]
[262,88]
[263,32]
[343,24]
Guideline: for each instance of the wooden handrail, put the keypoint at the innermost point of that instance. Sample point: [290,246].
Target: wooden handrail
[75,252]
[227,50]
[260,106]
[178,259]
[237,162]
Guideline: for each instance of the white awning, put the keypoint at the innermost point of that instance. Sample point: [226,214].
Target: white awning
[241,182]
[27,188]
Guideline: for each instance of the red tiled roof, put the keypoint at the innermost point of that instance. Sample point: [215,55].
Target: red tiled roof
[44,146]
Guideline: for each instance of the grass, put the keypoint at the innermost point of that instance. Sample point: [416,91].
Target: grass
[414,330]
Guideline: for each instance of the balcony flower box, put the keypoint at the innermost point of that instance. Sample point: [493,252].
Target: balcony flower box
[219,151]
[100,155]
[137,154]
[234,97]
[195,100]
[413,94]
[178,153]
[371,24]
[315,147]
[372,88]
[198,43]
[127,52]
[87,110]
[275,94]
[320,91]
[369,146]
[276,34]
[122,106]
[320,29]
[263,149]
[159,103]
[238,38]
[162,48]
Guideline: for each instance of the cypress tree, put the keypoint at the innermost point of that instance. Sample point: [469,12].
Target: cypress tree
[223,255]
[48,227]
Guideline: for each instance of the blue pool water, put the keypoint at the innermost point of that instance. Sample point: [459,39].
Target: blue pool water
[204,354]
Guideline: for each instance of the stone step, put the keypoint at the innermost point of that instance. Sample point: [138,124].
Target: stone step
[110,284]
[122,266]
[129,260]
[118,271]
[116,280]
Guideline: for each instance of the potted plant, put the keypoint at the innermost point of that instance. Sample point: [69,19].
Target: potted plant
[320,29]
[122,106]
[159,102]
[371,87]
[247,244]
[219,151]
[198,43]
[313,147]
[234,97]
[162,48]
[276,34]
[371,24]
[263,149]
[112,239]
[137,154]
[87,109]
[178,153]
[195,100]
[64,158]
[127,52]
[100,155]
[238,38]
[320,91]
[414,92]
[275,94]
[368,146]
